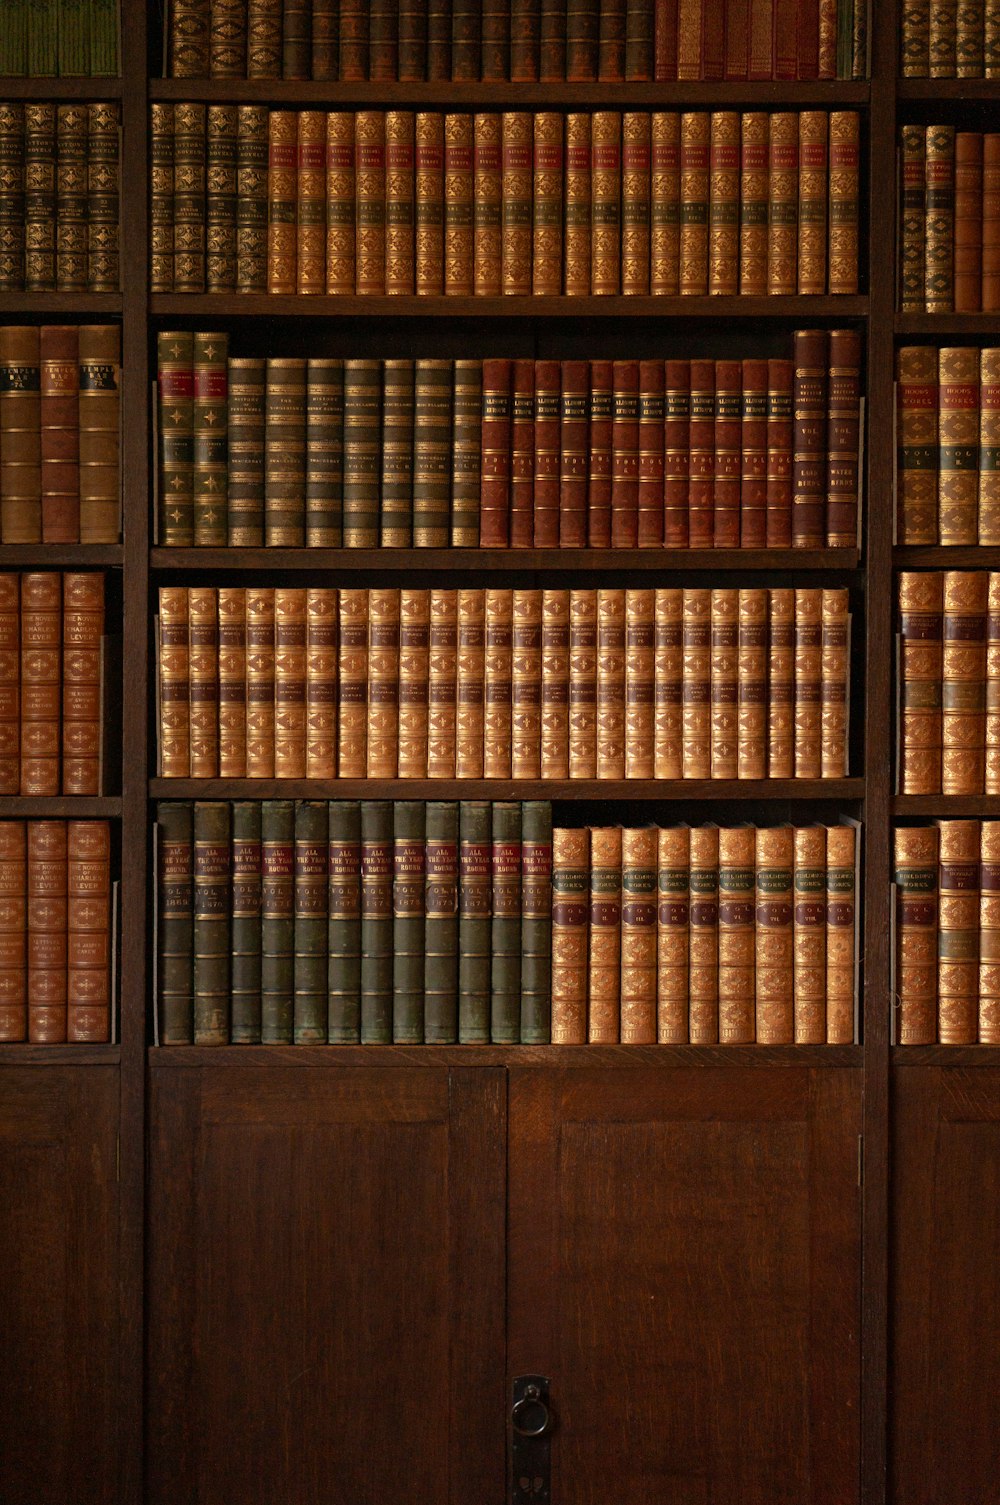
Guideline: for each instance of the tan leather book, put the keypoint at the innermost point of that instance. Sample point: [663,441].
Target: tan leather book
[515,251]
[82,633]
[321,682]
[638,936]
[470,684]
[958,931]
[834,686]
[635,201]
[917,444]
[606,186]
[781,684]
[696,727]
[610,737]
[809,935]
[260,682]
[782,210]
[583,684]
[989,932]
[99,348]
[912,217]
[673,899]
[289,683]
[963,704]
[958,436]
[754,187]
[724,671]
[526,684]
[939,219]
[488,191]
[751,745]
[639,684]
[497,722]
[282,133]
[352,684]
[10,683]
[736,935]
[694,193]
[808,683]
[665,202]
[570,934]
[310,249]
[577,209]
[915,874]
[668,672]
[723,206]
[20,435]
[774,947]
[88,958]
[161,203]
[547,203]
[369,202]
[604,939]
[47,918]
[400,190]
[989,445]
[414,648]
[382,734]
[842,257]
[459,194]
[992,734]
[841,925]
[41,682]
[13,931]
[203,680]
[340,195]
[175,731]
[703,935]
[812,227]
[554,757]
[441,689]
[429,204]
[60,439]
[921,607]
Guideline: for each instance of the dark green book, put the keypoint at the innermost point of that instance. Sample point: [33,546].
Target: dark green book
[432,454]
[362,443]
[536,922]
[245,430]
[441,924]
[244,987]
[505,973]
[220,199]
[475,912]
[277,921]
[396,522]
[324,453]
[175,920]
[211,922]
[103,38]
[175,436]
[312,841]
[74,38]
[344,924]
[13,40]
[43,38]
[376,922]
[211,453]
[408,922]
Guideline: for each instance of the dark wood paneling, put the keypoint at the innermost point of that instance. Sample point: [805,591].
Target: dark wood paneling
[657,561]
[558,1057]
[674,790]
[326,1278]
[59,1286]
[684,1264]
[945,1261]
[482,94]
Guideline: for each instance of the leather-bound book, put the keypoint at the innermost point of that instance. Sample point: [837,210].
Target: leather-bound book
[88,890]
[703,936]
[845,155]
[41,687]
[310,244]
[536,922]
[475,913]
[842,438]
[696,692]
[175,921]
[989,445]
[611,41]
[277,921]
[487,205]
[203,680]
[245,430]
[547,204]
[968,248]
[582,40]
[324,453]
[668,663]
[812,205]
[188,39]
[554,714]
[515,250]
[625,456]
[651,434]
[466,32]
[521,532]
[992,732]
[544,451]
[989,933]
[604,939]
[466,451]
[13,932]
[991,40]
[691,24]
[939,218]
[353,41]
[808,683]
[284,452]
[244,922]
[161,203]
[321,683]
[377,923]
[570,934]
[673,903]
[736,936]
[282,149]
[220,199]
[753,202]
[606,185]
[958,434]
[610,679]
[251,198]
[47,940]
[289,683]
[441,687]
[737,39]
[552,41]
[260,682]
[810,395]
[495,462]
[724,656]
[414,639]
[917,444]
[638,40]
[341,248]
[727,463]
[459,198]
[963,710]
[913,217]
[694,202]
[774,936]
[60,445]
[921,679]
[324,48]
[505,971]
[232,630]
[958,931]
[991,207]
[212,861]
[40,197]
[781,684]
[783,193]
[72,193]
[915,874]
[343,923]
[397,454]
[470,686]
[432,431]
[429,202]
[82,631]
[526,683]
[211,450]
[841,921]
[438,40]
[382,734]
[635,209]
[573,454]
[369,202]
[309,963]
[599,477]
[809,928]
[583,684]
[264,38]
[941,38]
[676,452]
[665,40]
[383,40]
[20,435]
[701,455]
[12,227]
[441,924]
[10,679]
[752,520]
[362,434]
[780,380]
[638,935]
[174,750]
[639,684]
[664,202]
[495,41]
[723,210]
[497,672]
[835,683]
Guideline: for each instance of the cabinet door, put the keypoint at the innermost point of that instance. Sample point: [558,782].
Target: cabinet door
[58,1284]
[945,1273]
[326,1263]
[684,1266]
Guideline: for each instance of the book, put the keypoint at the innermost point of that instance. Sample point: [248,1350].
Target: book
[343,915]
[475,915]
[245,924]
[174,921]
[408,956]
[277,926]
[441,923]
[915,875]
[211,922]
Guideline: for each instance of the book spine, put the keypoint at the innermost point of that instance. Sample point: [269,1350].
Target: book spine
[309,900]
[812,205]
[188,39]
[400,188]
[264,39]
[324,453]
[582,25]
[175,920]
[173,673]
[441,924]
[636,205]
[665,202]
[82,631]
[842,438]
[535,460]
[573,449]
[429,203]
[915,874]
[963,707]
[625,456]
[408,868]
[703,936]
[639,684]
[835,679]
[665,40]
[751,754]
[321,683]
[552,41]
[941,38]
[412,41]
[810,435]
[362,437]
[277,926]
[282,191]
[921,606]
[203,683]
[781,684]
[939,219]
[441,684]
[414,688]
[59,434]
[470,684]
[516,203]
[343,930]
[723,202]
[260,683]
[724,683]
[841,919]
[989,940]
[570,935]
[554,752]
[289,683]
[211,922]
[466,31]
[245,431]
[47,939]
[383,41]
[652,417]
[967,251]
[438,40]
[774,936]
[190,147]
[526,671]
[736,936]
[251,209]
[284,452]
[12,199]
[726,462]
[638,936]
[459,203]
[341,250]
[382,734]
[39,197]
[487,205]
[991,39]
[958,434]
[397,454]
[915,39]
[782,212]
[599,478]
[913,217]
[958,931]
[676,457]
[992,738]
[310,234]
[780,381]
[606,188]
[753,202]
[87,190]
[696,736]
[668,663]
[673,927]
[232,668]
[610,732]
[324,51]
[377,922]
[10,677]
[211,450]
[432,453]
[245,924]
[991,210]
[989,446]
[41,675]
[583,684]
[466,447]
[752,519]
[161,201]
[547,204]
[369,201]
[221,198]
[691,21]
[20,435]
[497,673]
[809,930]
[701,456]
[88,889]
[611,41]
[604,941]
[495,461]
[808,683]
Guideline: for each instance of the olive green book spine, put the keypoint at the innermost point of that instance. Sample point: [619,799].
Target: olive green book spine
[245,429]
[376,922]
[211,922]
[277,920]
[324,453]
[13,41]
[408,835]
[74,49]
[42,39]
[505,972]
[432,438]
[344,924]
[175,423]
[244,982]
[103,38]
[175,942]
[475,914]
[536,922]
[211,450]
[310,963]
[362,436]
[441,924]
[396,502]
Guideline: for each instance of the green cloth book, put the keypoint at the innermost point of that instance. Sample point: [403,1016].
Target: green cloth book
[475,912]
[376,922]
[344,924]
[244,987]
[536,922]
[211,922]
[408,825]
[277,832]
[441,924]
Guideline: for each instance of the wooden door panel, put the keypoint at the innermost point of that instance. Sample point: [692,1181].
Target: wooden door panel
[59,1286]
[684,1265]
[326,1285]
[945,1274]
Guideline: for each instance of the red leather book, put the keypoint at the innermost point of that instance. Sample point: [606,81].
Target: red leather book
[779,454]
[625,456]
[737,38]
[548,385]
[753,464]
[728,424]
[760,61]
[676,456]
[807,38]
[494,510]
[701,484]
[651,417]
[785,41]
[809,395]
[713,39]
[843,421]
[599,475]
[573,456]
[665,41]
[522,455]
[60,433]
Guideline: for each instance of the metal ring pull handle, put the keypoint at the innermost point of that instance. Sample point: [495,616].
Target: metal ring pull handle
[531,1416]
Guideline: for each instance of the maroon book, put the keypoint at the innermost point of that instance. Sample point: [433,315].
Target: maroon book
[573,456]
[701,485]
[494,493]
[522,464]
[548,395]
[779,454]
[651,416]
[676,453]
[599,475]
[753,466]
[625,456]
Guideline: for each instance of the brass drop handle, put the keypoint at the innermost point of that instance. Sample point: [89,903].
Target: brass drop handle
[531,1416]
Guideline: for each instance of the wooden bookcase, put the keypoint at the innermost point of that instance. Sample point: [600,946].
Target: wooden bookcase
[848,1193]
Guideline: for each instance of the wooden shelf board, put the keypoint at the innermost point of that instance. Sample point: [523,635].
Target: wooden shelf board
[67,89]
[18,1054]
[43,556]
[86,305]
[961,557]
[692,790]
[556,1056]
[975,806]
[66,806]
[946,1055]
[321,305]
[465,560]
[946,325]
[947,90]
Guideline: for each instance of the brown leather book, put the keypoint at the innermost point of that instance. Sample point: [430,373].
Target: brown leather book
[573,454]
[989,445]
[570,934]
[650,500]
[20,435]
[958,432]
[60,435]
[694,202]
[841,924]
[221,153]
[459,195]
[963,713]
[99,432]
[939,219]
[835,684]
[583,684]
[13,931]
[727,463]
[526,683]
[577,205]
[751,690]
[845,154]
[991,214]
[724,657]
[673,902]
[495,59]
[395,498]
[72,194]
[175,733]
[282,134]
[547,204]
[639,684]
[610,737]
[783,193]
[289,683]
[703,936]
[723,211]
[809,935]
[88,888]
[353,41]
[522,451]
[774,935]
[310,264]
[968,249]
[752,520]
[696,732]
[382,736]
[753,203]
[812,206]
[780,375]
[41,682]
[488,204]
[414,645]
[470,684]
[916,444]
[636,204]
[495,463]
[808,683]
[989,933]
[921,606]
[82,633]
[604,941]
[781,684]
[341,258]
[251,198]
[554,756]
[552,41]
[665,202]
[676,452]
[958,931]
[10,681]
[264,39]
[161,202]
[915,874]
[701,456]
[638,936]
[546,447]
[441,687]
[912,216]
[260,682]
[203,680]
[599,478]
[466,447]
[992,738]
[606,183]
[47,917]
[352,684]
[625,456]
[102,203]
[611,41]
[515,251]
[736,935]
[668,663]
[383,40]
[232,682]
[810,438]
[369,202]
[497,670]
[296,29]
[842,437]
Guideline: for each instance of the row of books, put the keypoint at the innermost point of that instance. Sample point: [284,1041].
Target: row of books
[53,39]
[950,39]
[545,40]
[59,167]
[55,930]
[695,453]
[949,682]
[275,682]
[947,949]
[51,683]
[314,922]
[950,225]
[59,433]
[948,444]
[248,199]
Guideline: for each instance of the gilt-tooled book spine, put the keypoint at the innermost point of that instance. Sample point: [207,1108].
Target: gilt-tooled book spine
[260,683]
[343,915]
[175,756]
[383,684]
[724,654]
[277,925]
[324,453]
[310,242]
[781,684]
[841,921]
[915,874]
[10,677]
[834,684]
[369,201]
[203,682]
[810,398]
[189,39]
[99,426]
[701,455]
[20,435]
[673,897]
[939,219]
[638,936]
[459,229]
[753,202]
[245,430]
[963,709]
[399,201]
[547,203]
[676,462]
[487,206]
[516,203]
[442,684]
[497,672]
[429,203]
[82,631]
[625,456]
[408,867]
[341,258]
[310,922]
[991,211]
[606,185]
[245,923]
[397,455]
[412,41]
[726,462]
[958,433]
[39,197]
[264,39]
[432,432]
[376,922]
[808,683]
[652,416]
[352,684]
[639,684]
[992,738]
[577,205]
[828,38]
[282,151]
[583,684]
[636,205]
[211,450]
[289,683]
[809,929]
[989,445]
[599,479]
[582,39]
[667,682]
[736,935]
[554,715]
[913,217]
[161,200]
[88,891]
[812,206]
[189,197]
[991,39]
[941,38]
[915,39]
[414,652]
[604,940]
[544,452]
[664,205]
[175,921]
[438,40]
[968,247]
[221,198]
[752,519]
[47,916]
[521,529]
[696,691]
[441,924]
[989,933]
[723,211]
[232,682]
[780,381]
[362,437]
[383,40]
[284,452]
[12,204]
[41,674]
[702,1022]
[526,674]
[466,447]
[59,423]
[470,684]
[321,683]
[475,912]
[958,931]
[573,448]
[324,50]
[842,435]
[251,198]
[211,922]
[610,698]
[783,194]
[495,464]
[570,933]
[921,680]
[774,936]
